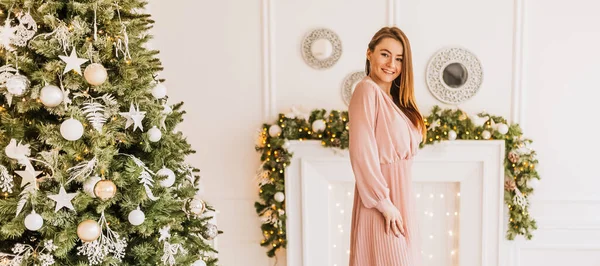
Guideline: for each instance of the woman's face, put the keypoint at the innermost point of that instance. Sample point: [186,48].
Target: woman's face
[386,60]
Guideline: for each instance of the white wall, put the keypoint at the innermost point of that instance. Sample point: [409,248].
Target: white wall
[539,60]
[560,69]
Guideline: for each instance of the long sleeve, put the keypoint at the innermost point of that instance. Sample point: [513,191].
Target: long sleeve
[364,156]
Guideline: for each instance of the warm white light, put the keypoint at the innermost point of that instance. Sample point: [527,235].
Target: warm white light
[441,196]
[334,246]
[458,194]
[447,214]
[418,195]
[430,236]
[341,231]
[426,213]
[431,196]
[349,194]
[455,213]
[431,214]
[337,204]
[430,256]
[339,226]
[452,253]
[330,187]
[450,232]
[342,211]
[347,251]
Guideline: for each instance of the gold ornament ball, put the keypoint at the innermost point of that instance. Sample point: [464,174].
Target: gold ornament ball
[88,230]
[197,206]
[95,74]
[105,189]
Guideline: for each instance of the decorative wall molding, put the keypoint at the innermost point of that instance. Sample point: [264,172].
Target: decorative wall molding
[392,12]
[516,115]
[268,60]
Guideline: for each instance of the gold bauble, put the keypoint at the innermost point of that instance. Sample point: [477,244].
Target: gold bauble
[95,74]
[88,230]
[105,189]
[197,206]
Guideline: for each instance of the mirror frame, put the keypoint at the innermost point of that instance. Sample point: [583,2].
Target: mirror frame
[347,88]
[435,72]
[317,34]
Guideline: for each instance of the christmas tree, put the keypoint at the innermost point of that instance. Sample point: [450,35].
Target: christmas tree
[91,169]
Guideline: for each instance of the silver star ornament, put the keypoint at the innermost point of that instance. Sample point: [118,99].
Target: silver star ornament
[135,117]
[73,62]
[28,176]
[63,199]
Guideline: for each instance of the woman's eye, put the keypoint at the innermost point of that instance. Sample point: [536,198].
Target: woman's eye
[399,59]
[385,55]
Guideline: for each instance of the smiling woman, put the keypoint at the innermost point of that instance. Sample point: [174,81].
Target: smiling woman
[385,133]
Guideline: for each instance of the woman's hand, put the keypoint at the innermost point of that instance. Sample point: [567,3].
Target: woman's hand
[392,216]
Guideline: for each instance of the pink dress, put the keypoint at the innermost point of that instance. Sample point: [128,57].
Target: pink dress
[383,142]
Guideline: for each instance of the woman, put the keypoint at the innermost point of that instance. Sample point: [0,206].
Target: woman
[385,131]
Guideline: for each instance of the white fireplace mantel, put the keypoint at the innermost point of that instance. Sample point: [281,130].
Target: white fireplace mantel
[477,167]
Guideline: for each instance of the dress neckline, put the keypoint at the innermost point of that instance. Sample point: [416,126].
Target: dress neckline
[413,128]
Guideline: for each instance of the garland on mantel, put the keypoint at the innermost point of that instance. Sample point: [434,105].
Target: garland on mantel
[331,128]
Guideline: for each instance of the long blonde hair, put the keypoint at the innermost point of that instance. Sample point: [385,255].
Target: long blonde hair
[403,89]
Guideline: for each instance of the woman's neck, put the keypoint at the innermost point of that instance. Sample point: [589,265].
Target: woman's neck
[385,86]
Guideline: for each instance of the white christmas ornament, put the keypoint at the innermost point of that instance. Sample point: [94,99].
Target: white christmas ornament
[28,177]
[154,134]
[279,197]
[6,180]
[486,134]
[167,110]
[71,129]
[17,84]
[33,221]
[159,91]
[452,135]
[286,145]
[25,30]
[95,74]
[7,34]
[90,184]
[63,199]
[319,125]
[136,217]
[479,121]
[199,263]
[502,128]
[51,96]
[274,131]
[73,62]
[135,117]
[170,180]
